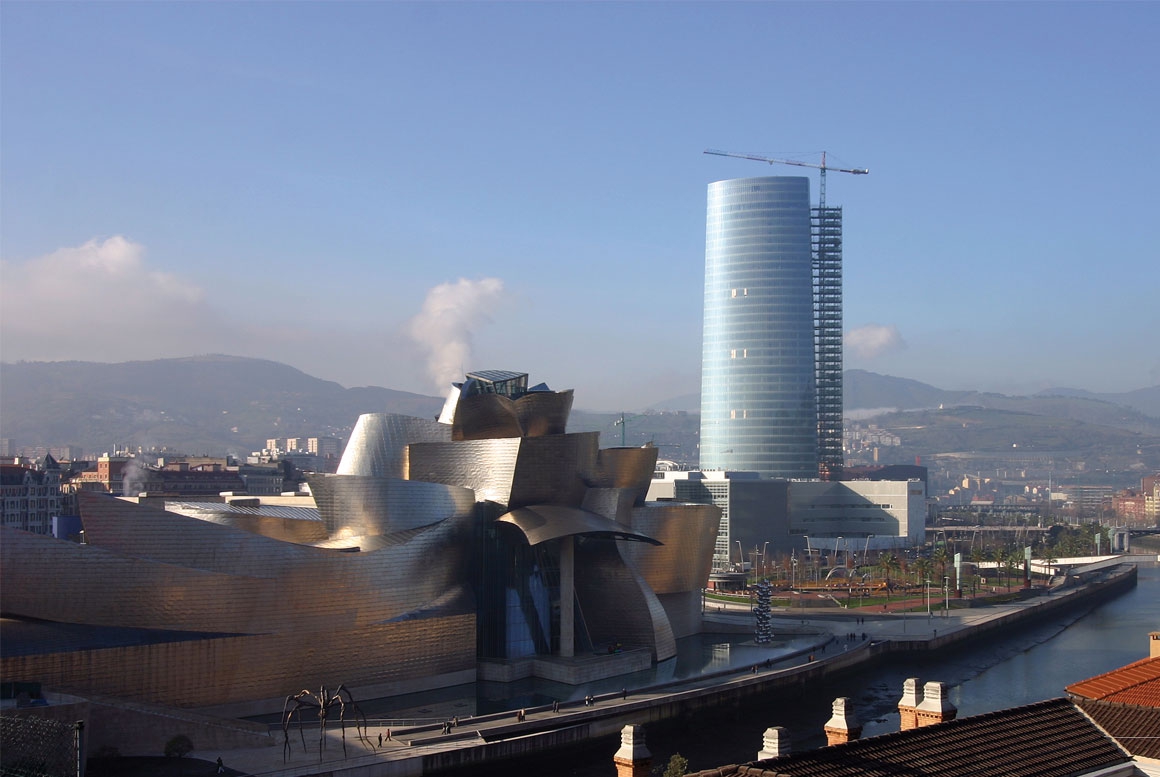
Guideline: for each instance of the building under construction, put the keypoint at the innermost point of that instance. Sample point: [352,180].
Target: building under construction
[754,382]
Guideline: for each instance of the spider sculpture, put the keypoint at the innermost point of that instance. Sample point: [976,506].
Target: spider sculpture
[324,702]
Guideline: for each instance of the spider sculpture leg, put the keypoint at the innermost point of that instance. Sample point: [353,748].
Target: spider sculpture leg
[300,700]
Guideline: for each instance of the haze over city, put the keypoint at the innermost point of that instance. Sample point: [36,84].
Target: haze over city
[390,194]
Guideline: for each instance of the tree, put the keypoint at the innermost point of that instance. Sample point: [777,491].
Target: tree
[678,766]
[1012,561]
[178,747]
[887,563]
[922,569]
[942,557]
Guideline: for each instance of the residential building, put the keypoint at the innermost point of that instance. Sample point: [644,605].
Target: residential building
[30,497]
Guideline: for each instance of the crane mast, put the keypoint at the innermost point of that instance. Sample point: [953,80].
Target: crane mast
[826,266]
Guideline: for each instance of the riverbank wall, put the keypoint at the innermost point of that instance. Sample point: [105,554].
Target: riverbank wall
[1043,604]
[521,739]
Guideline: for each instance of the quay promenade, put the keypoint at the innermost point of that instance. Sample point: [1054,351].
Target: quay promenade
[819,647]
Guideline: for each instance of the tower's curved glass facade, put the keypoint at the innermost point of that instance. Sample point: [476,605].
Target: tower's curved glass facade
[758,402]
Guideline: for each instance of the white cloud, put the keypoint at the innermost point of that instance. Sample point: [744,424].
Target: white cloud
[101,301]
[451,314]
[874,340]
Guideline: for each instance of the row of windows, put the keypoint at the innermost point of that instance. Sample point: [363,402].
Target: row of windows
[35,503]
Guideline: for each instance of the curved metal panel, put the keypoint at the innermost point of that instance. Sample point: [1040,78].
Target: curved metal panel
[626,468]
[378,443]
[688,533]
[485,417]
[151,569]
[541,523]
[352,505]
[554,470]
[542,413]
[514,471]
[487,467]
[613,503]
[491,416]
[617,605]
[298,530]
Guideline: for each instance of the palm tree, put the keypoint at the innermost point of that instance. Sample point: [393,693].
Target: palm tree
[922,569]
[942,557]
[887,562]
[1011,562]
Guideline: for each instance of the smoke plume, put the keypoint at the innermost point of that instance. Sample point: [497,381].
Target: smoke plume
[451,314]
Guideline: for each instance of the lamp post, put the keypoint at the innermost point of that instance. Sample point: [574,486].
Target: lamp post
[764,557]
[928,615]
[947,594]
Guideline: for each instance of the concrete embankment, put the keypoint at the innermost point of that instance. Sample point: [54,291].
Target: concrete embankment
[831,651]
[730,689]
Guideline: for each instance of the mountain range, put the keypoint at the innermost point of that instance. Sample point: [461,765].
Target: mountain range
[227,404]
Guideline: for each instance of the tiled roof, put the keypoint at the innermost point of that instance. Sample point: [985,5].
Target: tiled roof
[1137,684]
[1047,739]
[1137,729]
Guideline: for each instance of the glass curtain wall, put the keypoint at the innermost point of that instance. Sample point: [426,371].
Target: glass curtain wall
[758,398]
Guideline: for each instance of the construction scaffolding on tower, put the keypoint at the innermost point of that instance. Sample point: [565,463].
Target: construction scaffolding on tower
[826,227]
[826,261]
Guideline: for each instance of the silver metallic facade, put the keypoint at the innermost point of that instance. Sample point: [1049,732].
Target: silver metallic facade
[431,549]
[758,398]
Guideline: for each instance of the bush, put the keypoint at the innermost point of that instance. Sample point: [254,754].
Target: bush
[178,747]
[677,766]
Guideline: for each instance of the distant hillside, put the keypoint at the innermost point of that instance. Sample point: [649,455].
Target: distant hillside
[220,404]
[213,404]
[1005,435]
[1146,400]
[869,391]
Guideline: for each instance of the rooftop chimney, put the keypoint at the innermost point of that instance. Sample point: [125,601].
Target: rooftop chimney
[774,743]
[907,705]
[935,706]
[843,725]
[632,759]
[1154,641]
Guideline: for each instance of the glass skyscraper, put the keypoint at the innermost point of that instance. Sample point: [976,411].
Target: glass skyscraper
[758,396]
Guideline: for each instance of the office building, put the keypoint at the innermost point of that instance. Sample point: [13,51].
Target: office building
[763,516]
[759,409]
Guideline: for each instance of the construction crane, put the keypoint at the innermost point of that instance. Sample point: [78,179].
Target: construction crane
[823,167]
[827,280]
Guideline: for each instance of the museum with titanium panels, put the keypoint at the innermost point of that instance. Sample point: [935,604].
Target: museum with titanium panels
[488,544]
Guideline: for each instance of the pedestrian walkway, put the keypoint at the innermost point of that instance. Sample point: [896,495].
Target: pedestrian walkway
[817,635]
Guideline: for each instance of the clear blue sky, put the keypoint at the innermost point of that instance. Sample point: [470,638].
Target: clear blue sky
[310,182]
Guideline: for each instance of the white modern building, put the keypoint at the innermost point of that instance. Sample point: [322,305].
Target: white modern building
[760,516]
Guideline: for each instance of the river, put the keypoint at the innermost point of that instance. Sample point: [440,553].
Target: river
[1033,663]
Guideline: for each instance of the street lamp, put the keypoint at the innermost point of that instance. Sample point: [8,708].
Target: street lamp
[947,594]
[764,557]
[928,615]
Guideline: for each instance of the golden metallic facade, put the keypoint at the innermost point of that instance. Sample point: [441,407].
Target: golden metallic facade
[384,586]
